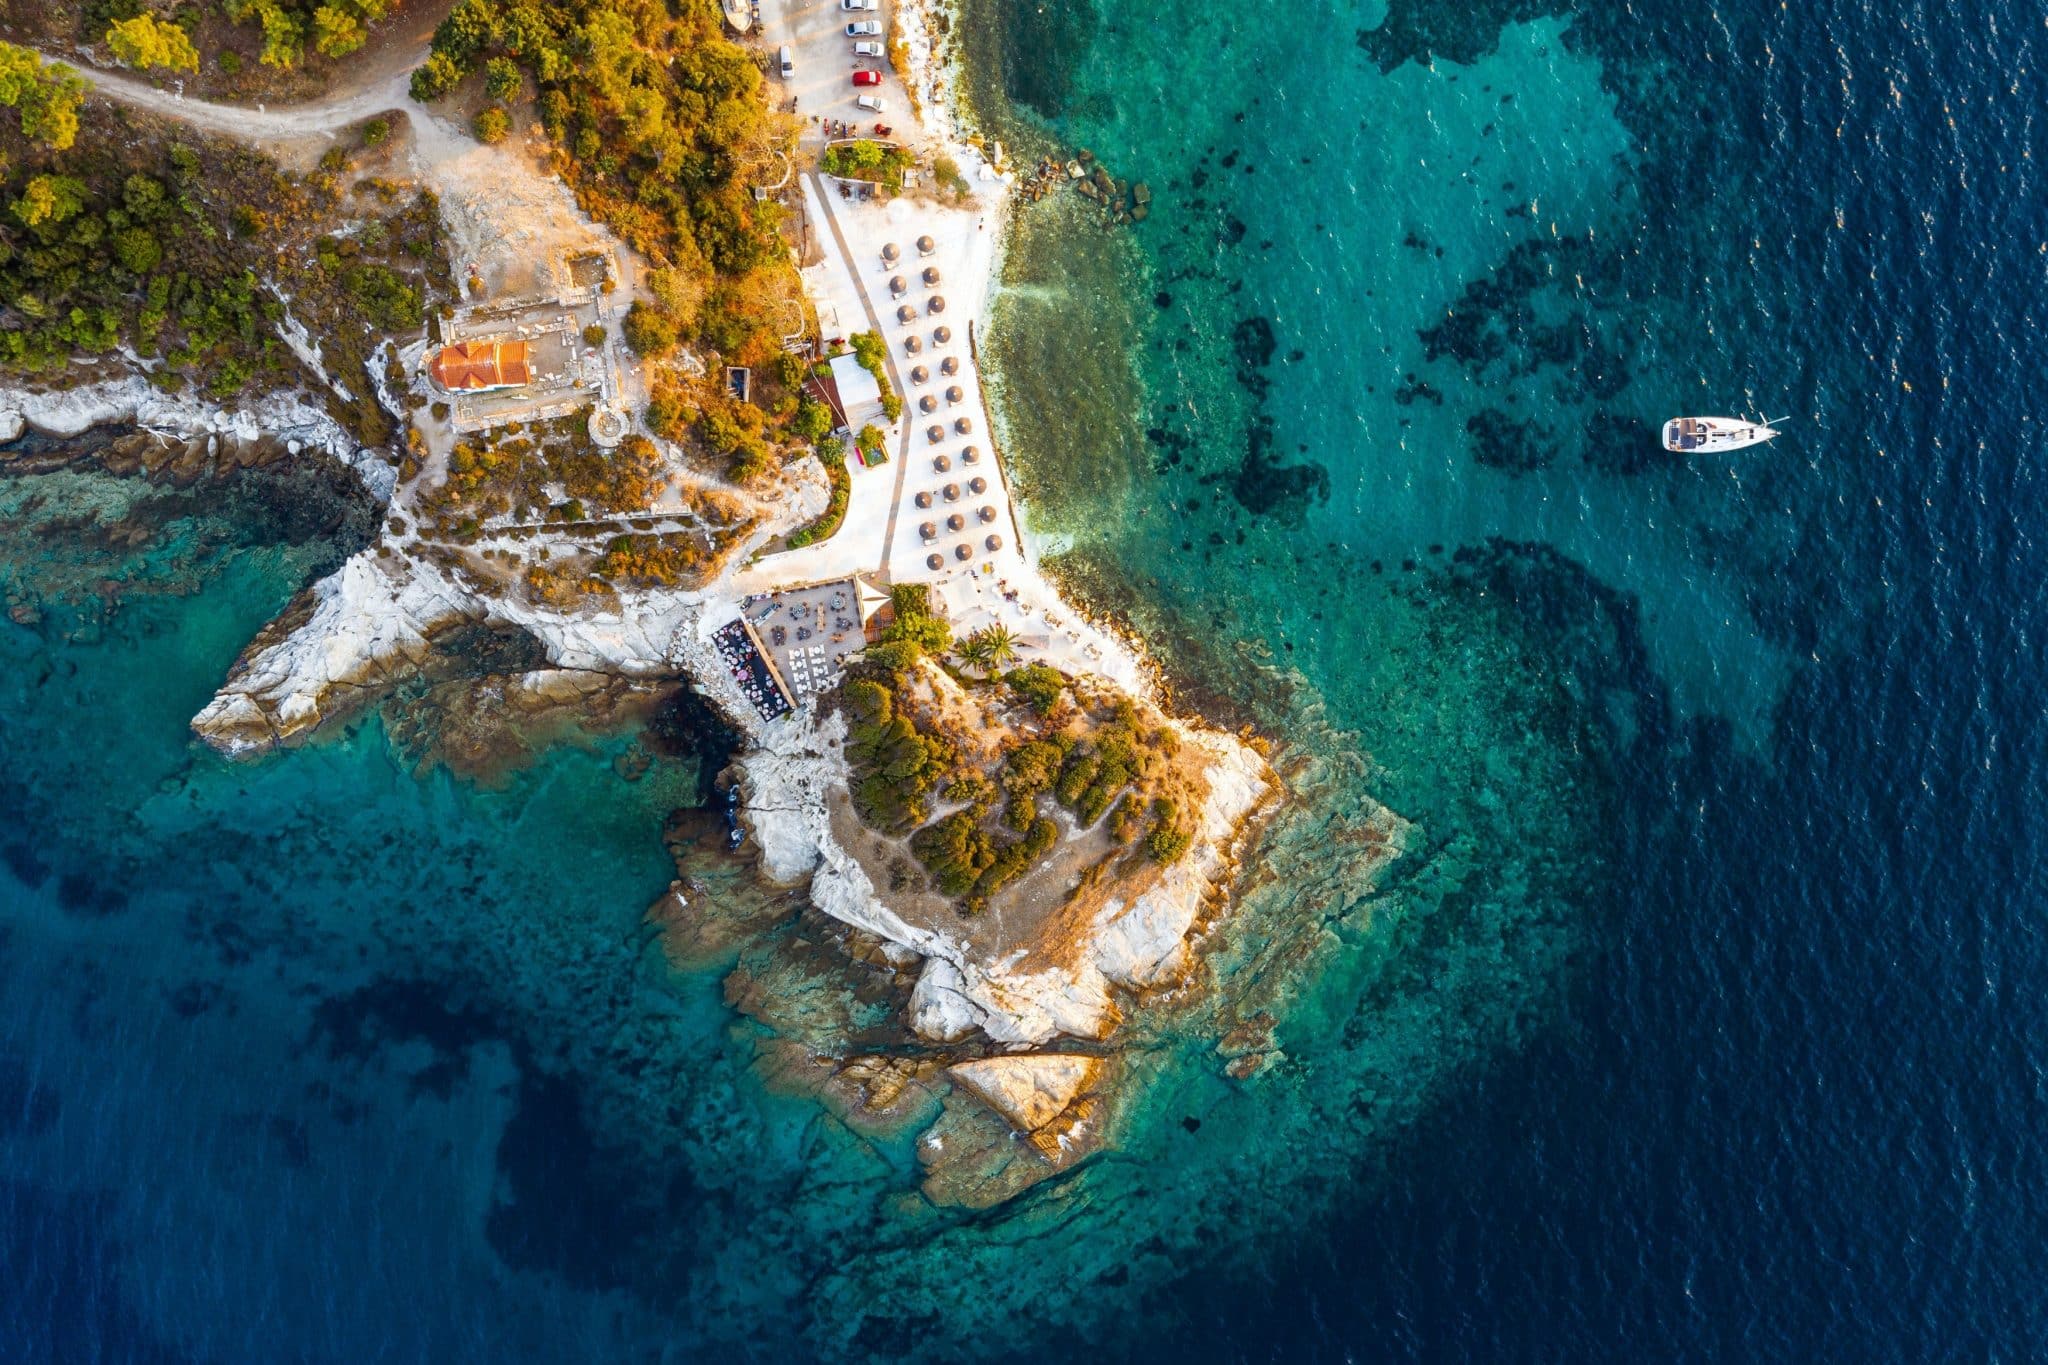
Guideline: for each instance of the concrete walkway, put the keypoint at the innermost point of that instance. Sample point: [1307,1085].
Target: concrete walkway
[821,192]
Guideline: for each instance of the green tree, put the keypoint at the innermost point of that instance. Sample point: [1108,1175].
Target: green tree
[501,78]
[436,77]
[650,331]
[49,199]
[284,36]
[492,124]
[146,41]
[45,94]
[1038,684]
[973,650]
[469,28]
[138,250]
[337,31]
[813,419]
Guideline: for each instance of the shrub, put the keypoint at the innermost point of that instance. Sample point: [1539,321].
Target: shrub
[1169,840]
[435,78]
[650,331]
[1038,684]
[813,419]
[896,766]
[594,335]
[146,41]
[492,124]
[375,131]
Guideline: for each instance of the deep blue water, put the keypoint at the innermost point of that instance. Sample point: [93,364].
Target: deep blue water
[328,1059]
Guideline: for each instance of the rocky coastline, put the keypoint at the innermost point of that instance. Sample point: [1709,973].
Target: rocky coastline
[1008,1059]
[191,436]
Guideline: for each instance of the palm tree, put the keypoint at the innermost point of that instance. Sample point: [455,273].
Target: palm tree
[999,646]
[973,650]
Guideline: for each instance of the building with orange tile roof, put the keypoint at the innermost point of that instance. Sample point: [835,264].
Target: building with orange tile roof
[468,366]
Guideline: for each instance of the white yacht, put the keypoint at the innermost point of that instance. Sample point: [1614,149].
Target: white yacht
[1715,435]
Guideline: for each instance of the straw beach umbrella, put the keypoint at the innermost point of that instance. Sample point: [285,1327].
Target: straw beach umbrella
[926,246]
[977,484]
[906,314]
[970,455]
[912,345]
[986,515]
[920,375]
[923,500]
[963,551]
[956,522]
[927,404]
[963,425]
[994,543]
[950,365]
[935,562]
[955,394]
[935,433]
[941,464]
[930,276]
[942,334]
[937,304]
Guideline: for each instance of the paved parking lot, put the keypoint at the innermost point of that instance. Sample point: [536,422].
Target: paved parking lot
[822,85]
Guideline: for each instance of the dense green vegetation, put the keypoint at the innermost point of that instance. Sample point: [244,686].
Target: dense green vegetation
[181,249]
[866,159]
[660,126]
[896,765]
[1097,764]
[913,633]
[972,864]
[509,471]
[1038,684]
[333,28]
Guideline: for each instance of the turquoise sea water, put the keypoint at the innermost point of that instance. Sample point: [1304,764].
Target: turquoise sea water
[1698,1018]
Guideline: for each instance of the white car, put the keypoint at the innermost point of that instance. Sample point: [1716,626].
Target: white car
[787,60]
[864,28]
[868,50]
[857,4]
[871,104]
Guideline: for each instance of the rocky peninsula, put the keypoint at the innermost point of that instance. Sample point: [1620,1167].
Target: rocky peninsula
[972,811]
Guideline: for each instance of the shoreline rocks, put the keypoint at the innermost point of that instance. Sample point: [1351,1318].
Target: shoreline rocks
[274,426]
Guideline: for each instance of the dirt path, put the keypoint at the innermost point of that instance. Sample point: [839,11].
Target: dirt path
[384,89]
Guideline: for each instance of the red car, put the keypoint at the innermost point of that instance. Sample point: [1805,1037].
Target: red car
[867,78]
